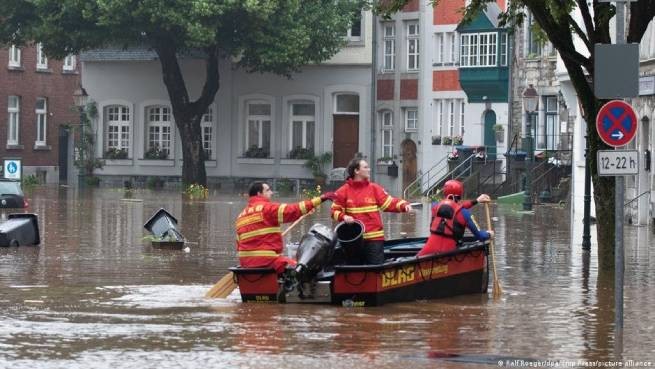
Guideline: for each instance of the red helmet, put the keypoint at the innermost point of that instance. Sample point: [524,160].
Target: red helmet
[453,187]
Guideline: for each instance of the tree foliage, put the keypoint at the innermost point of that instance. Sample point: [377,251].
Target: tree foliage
[276,36]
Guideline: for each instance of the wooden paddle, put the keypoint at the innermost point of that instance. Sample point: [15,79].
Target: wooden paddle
[497,290]
[224,287]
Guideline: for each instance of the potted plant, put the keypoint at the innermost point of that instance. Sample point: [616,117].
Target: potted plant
[116,154]
[499,131]
[446,140]
[385,160]
[155,153]
[458,140]
[301,153]
[315,163]
[256,152]
[436,140]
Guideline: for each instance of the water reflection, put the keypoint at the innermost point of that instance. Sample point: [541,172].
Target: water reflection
[95,293]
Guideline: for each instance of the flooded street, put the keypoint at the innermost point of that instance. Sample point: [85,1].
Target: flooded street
[96,295]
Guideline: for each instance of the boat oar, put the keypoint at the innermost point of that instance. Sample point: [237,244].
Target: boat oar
[224,287]
[497,290]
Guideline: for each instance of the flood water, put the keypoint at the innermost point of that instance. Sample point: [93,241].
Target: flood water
[96,295]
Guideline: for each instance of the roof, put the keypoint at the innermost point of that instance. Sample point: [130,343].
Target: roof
[489,20]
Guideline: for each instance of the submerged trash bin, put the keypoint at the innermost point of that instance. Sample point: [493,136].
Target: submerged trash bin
[163,226]
[20,230]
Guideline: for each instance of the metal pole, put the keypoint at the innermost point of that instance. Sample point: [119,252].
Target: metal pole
[374,59]
[527,198]
[586,233]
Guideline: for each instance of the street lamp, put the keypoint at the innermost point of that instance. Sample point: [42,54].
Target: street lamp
[530,104]
[81,97]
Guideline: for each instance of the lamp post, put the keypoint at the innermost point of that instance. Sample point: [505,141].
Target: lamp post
[81,97]
[530,104]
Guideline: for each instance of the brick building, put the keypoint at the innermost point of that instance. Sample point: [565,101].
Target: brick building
[36,99]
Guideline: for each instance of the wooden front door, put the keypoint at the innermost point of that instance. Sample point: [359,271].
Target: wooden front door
[346,139]
[409,162]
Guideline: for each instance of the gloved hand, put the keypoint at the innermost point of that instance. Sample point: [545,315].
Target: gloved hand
[408,208]
[328,196]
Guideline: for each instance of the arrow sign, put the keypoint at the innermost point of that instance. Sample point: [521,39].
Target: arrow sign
[616,123]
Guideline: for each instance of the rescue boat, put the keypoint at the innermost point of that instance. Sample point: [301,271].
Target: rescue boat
[403,276]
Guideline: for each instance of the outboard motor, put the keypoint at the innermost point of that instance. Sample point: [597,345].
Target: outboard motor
[315,252]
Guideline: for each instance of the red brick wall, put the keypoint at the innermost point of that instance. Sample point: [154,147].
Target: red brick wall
[385,89]
[411,6]
[448,12]
[445,80]
[55,85]
[409,89]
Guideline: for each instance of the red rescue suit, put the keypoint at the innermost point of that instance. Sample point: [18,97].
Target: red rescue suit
[363,200]
[259,237]
[447,227]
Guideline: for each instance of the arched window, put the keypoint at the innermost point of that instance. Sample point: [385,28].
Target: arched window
[118,121]
[159,145]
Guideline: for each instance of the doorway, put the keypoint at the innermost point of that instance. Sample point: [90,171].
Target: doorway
[346,139]
[489,134]
[408,148]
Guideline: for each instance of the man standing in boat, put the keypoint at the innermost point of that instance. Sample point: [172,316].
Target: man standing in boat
[259,237]
[359,199]
[450,218]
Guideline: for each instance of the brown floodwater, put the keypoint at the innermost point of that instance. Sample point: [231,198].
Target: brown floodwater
[95,294]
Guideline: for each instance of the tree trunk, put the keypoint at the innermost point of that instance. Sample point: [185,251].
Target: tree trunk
[188,114]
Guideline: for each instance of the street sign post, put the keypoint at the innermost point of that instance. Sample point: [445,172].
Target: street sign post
[616,123]
[617,162]
[12,169]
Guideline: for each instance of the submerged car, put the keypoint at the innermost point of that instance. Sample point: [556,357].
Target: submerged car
[11,195]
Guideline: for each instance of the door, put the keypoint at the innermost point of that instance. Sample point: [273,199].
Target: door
[63,154]
[346,139]
[489,134]
[409,162]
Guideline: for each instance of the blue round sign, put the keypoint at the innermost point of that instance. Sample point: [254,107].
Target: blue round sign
[12,167]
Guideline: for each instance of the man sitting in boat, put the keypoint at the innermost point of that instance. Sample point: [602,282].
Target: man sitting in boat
[360,199]
[450,218]
[259,238]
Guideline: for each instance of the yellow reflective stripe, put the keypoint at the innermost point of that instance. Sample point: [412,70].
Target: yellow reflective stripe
[303,208]
[376,234]
[400,204]
[270,253]
[259,232]
[363,209]
[386,203]
[336,215]
[250,219]
[280,213]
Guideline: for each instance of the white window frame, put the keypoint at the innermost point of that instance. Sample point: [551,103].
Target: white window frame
[479,50]
[440,105]
[452,39]
[439,54]
[118,117]
[259,120]
[349,34]
[336,105]
[451,117]
[69,63]
[14,56]
[389,60]
[41,121]
[41,58]
[465,41]
[413,42]
[161,125]
[207,132]
[386,122]
[411,122]
[461,117]
[13,124]
[304,119]
[504,49]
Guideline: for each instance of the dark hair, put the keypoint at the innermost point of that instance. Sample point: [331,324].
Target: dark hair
[255,188]
[353,166]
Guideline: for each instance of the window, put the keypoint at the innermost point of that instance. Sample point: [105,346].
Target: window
[347,104]
[479,50]
[439,117]
[14,56]
[118,122]
[41,121]
[452,40]
[159,132]
[258,129]
[41,59]
[451,118]
[411,120]
[547,136]
[69,63]
[461,118]
[389,48]
[13,108]
[386,118]
[439,57]
[355,30]
[503,49]
[207,127]
[412,46]
[303,125]
[534,45]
